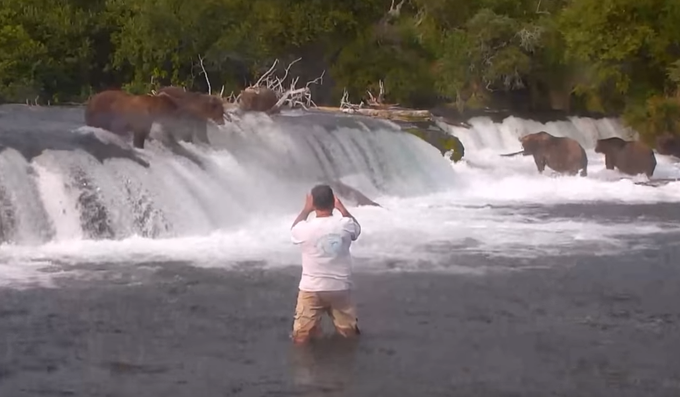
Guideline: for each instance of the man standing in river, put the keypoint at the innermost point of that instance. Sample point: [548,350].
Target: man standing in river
[326,279]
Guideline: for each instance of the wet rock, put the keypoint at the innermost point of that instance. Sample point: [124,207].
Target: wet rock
[435,136]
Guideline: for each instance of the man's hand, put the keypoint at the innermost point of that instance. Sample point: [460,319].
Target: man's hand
[338,203]
[341,207]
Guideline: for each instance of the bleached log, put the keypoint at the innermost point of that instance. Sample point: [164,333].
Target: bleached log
[288,95]
[397,114]
[389,114]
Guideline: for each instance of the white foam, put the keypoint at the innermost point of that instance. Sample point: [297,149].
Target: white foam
[502,137]
[25,274]
[62,207]
[425,228]
[402,231]
[407,230]
[485,176]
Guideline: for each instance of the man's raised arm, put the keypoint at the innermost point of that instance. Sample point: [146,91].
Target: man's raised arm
[306,210]
[341,207]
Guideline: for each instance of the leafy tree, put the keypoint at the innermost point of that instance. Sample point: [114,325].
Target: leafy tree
[611,56]
[628,46]
[20,60]
[62,36]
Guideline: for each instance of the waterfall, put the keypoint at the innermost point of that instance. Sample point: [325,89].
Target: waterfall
[62,181]
[485,134]
[72,196]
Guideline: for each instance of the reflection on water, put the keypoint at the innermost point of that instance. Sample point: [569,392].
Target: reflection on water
[324,366]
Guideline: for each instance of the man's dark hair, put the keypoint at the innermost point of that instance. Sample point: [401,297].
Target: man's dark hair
[323,197]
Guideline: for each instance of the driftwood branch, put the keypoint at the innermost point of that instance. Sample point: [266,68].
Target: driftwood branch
[379,102]
[207,80]
[395,11]
[276,84]
[266,74]
[34,102]
[346,106]
[372,101]
[290,97]
[302,97]
[420,17]
[231,98]
[286,95]
[293,96]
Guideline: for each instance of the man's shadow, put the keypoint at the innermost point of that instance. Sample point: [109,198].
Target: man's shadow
[324,366]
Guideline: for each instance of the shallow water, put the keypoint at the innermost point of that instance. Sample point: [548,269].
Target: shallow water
[573,325]
[480,278]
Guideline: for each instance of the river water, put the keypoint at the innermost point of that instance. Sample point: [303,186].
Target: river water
[66,206]
[86,225]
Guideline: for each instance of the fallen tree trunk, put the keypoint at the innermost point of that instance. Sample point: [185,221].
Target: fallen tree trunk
[399,114]
[420,123]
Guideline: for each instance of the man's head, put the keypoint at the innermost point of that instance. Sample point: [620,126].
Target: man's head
[323,198]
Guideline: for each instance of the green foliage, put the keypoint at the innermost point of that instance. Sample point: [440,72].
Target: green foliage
[49,41]
[619,56]
[656,116]
[630,50]
[452,67]
[360,66]
[674,72]
[19,64]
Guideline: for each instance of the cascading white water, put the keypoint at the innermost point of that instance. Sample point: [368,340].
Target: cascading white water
[484,173]
[63,206]
[258,166]
[504,137]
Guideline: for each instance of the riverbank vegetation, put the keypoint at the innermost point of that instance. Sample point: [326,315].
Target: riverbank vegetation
[607,56]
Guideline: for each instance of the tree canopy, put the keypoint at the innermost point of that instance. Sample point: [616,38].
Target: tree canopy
[608,56]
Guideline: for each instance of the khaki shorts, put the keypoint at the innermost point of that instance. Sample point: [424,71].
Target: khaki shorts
[312,305]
